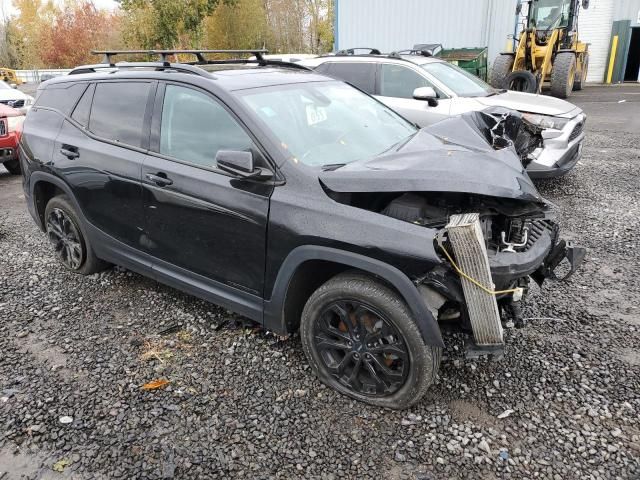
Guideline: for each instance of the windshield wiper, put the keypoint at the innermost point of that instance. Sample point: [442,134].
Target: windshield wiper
[398,145]
[332,166]
[497,92]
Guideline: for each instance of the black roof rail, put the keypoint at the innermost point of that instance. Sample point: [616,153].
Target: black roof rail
[179,67]
[352,51]
[424,49]
[165,54]
[188,67]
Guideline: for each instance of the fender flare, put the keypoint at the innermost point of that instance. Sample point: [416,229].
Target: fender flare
[40,176]
[274,308]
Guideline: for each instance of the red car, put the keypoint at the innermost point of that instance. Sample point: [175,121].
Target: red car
[10,129]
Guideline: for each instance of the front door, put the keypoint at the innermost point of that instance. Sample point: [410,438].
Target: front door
[396,86]
[200,221]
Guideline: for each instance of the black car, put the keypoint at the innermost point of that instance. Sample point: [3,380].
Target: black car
[295,200]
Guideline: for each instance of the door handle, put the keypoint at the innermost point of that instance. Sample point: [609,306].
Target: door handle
[70,152]
[159,179]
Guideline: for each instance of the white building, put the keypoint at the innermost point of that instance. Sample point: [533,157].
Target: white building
[390,25]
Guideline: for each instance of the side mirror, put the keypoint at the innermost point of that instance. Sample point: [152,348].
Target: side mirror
[240,163]
[518,8]
[13,85]
[585,4]
[428,94]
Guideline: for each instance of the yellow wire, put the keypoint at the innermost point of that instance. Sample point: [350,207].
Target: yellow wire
[473,280]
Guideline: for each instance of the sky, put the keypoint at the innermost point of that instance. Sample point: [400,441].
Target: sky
[8,9]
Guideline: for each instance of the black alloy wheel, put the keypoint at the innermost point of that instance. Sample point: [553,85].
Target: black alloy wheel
[65,238]
[361,348]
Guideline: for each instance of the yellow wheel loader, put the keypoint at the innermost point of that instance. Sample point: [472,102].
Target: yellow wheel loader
[548,50]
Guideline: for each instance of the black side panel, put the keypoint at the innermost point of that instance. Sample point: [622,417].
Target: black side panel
[39,132]
[274,309]
[105,179]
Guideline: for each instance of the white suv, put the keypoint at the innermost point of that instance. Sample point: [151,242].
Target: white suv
[446,90]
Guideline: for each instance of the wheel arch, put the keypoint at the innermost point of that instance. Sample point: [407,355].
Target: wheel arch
[307,267]
[43,187]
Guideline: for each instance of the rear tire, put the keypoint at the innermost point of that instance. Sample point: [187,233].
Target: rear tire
[69,241]
[581,78]
[501,68]
[563,74]
[521,81]
[13,166]
[361,340]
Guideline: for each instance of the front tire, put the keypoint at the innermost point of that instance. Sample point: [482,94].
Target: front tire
[361,340]
[71,245]
[563,74]
[13,166]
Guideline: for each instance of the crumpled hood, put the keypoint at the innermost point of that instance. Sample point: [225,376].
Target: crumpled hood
[529,102]
[450,156]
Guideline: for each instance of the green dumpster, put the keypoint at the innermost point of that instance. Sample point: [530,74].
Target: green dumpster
[473,60]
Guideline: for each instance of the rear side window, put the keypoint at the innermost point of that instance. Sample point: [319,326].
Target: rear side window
[117,112]
[63,98]
[361,75]
[81,112]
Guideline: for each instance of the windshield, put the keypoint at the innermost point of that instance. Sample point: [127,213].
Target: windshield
[461,82]
[548,14]
[327,123]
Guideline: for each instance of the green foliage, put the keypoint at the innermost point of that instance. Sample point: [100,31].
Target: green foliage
[166,23]
[44,35]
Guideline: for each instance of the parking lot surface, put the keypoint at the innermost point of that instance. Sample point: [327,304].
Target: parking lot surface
[564,403]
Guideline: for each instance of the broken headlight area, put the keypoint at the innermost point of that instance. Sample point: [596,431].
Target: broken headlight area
[504,128]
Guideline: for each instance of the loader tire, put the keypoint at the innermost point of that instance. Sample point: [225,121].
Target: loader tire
[501,68]
[563,74]
[521,81]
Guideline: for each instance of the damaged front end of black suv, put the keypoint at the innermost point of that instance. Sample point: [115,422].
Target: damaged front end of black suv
[464,180]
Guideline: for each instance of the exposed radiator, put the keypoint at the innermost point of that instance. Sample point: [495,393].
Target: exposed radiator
[465,235]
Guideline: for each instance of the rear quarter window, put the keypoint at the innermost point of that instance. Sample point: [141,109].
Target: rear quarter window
[62,97]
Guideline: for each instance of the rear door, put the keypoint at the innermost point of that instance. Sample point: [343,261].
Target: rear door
[204,225]
[395,88]
[99,152]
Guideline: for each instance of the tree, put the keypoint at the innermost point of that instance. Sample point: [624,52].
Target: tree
[166,23]
[27,28]
[77,30]
[241,25]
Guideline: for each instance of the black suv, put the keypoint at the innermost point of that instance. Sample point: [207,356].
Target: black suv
[295,200]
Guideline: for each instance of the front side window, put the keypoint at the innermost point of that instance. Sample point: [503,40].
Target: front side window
[117,112]
[327,123]
[459,81]
[194,127]
[400,82]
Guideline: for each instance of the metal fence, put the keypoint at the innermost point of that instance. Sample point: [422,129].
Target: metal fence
[37,76]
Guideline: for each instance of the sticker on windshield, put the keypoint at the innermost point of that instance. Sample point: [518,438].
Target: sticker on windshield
[315,114]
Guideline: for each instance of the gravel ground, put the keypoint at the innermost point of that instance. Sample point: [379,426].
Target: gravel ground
[564,403]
